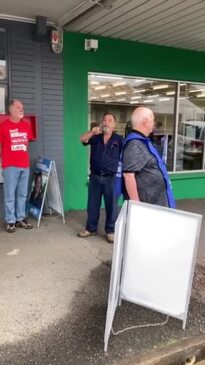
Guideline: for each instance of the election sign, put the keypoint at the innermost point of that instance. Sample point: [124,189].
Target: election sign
[45,186]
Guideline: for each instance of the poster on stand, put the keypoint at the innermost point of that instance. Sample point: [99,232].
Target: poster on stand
[45,186]
[53,194]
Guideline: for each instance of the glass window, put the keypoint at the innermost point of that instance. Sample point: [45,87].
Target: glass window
[191,127]
[3,69]
[3,79]
[2,99]
[121,95]
[179,109]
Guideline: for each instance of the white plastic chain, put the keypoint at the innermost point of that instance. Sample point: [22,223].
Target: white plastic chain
[140,326]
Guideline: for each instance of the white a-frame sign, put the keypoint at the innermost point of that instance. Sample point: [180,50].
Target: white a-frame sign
[45,187]
[153,262]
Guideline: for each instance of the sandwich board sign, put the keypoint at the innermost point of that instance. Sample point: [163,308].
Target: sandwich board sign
[154,257]
[114,291]
[45,186]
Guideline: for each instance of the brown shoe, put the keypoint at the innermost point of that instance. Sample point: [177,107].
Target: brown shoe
[110,237]
[23,224]
[85,233]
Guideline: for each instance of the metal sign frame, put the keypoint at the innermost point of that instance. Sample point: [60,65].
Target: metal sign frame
[157,247]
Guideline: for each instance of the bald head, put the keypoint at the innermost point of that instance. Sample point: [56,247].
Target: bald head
[143,120]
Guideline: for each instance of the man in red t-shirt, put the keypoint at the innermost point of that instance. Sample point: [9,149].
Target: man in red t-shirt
[15,134]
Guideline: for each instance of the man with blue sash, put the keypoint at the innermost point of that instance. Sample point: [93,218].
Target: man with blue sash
[145,175]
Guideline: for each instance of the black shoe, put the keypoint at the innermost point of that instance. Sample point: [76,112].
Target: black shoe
[10,228]
[23,224]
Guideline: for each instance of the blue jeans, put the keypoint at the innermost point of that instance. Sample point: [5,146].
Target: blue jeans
[15,193]
[101,186]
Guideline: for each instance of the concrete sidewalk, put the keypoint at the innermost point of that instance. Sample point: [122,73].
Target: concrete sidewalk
[54,289]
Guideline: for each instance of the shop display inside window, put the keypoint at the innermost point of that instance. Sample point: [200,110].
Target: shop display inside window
[120,95]
[191,128]
[3,70]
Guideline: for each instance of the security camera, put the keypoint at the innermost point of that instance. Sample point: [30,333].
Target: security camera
[91,44]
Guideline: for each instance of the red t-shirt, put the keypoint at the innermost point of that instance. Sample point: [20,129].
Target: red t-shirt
[14,138]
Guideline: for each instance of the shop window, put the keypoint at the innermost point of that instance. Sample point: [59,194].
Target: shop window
[3,79]
[191,127]
[3,72]
[3,66]
[2,99]
[121,95]
[179,135]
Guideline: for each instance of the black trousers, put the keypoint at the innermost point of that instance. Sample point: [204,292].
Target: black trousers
[101,186]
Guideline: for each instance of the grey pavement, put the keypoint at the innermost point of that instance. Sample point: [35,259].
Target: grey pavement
[53,298]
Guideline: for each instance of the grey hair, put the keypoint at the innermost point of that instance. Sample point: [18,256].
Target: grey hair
[107,113]
[139,115]
[11,102]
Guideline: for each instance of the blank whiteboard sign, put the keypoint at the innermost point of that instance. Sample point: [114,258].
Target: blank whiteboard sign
[53,192]
[114,290]
[159,258]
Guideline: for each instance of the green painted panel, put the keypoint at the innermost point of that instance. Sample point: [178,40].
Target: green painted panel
[189,188]
[118,57]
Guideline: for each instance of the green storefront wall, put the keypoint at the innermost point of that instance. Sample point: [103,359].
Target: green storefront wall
[123,58]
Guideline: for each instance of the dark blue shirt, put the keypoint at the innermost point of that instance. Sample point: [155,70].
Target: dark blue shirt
[104,158]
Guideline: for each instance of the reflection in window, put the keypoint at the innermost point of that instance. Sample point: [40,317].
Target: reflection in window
[2,99]
[121,95]
[3,71]
[191,127]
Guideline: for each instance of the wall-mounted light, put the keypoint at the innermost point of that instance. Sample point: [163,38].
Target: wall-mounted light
[91,44]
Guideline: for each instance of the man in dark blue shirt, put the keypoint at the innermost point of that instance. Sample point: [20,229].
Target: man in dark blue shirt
[106,147]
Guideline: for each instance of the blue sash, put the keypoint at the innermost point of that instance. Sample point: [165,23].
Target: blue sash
[153,151]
